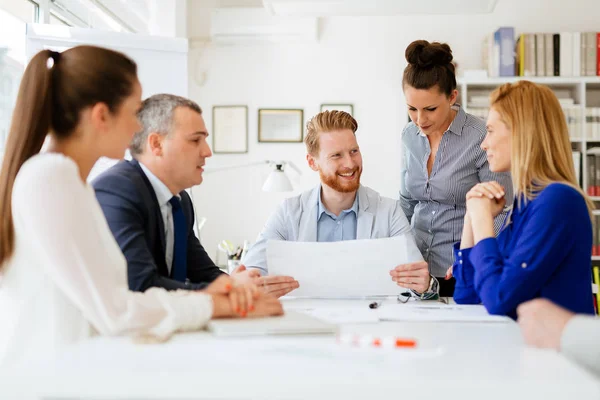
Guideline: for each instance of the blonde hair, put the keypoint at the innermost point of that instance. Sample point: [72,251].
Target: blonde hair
[326,121]
[541,148]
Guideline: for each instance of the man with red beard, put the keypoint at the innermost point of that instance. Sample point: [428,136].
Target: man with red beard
[339,208]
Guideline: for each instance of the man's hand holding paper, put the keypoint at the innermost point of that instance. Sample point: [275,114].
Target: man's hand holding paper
[413,276]
[351,268]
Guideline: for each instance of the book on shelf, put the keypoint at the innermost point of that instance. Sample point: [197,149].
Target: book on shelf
[596,282]
[592,123]
[565,54]
[577,166]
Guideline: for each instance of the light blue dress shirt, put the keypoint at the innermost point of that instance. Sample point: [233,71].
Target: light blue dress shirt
[163,195]
[332,228]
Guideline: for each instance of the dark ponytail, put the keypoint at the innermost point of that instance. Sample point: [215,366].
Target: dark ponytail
[55,88]
[429,65]
[29,126]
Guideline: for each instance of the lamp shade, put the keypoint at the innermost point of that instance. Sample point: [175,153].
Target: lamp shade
[277,181]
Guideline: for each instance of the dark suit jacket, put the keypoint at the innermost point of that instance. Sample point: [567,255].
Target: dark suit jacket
[133,214]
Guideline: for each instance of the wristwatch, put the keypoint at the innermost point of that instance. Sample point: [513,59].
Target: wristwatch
[432,291]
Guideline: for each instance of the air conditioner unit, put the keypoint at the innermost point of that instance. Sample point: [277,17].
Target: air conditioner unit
[325,8]
[235,25]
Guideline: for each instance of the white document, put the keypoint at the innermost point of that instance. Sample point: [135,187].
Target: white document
[343,315]
[346,269]
[437,312]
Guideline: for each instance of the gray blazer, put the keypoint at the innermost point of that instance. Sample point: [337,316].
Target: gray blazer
[296,220]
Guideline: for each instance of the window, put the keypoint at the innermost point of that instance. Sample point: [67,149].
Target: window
[12,65]
[58,20]
[25,10]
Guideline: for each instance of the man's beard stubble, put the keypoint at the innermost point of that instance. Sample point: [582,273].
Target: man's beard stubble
[336,183]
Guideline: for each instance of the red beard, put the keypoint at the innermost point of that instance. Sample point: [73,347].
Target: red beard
[338,184]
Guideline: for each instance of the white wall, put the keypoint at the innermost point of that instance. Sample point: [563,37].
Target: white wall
[357,60]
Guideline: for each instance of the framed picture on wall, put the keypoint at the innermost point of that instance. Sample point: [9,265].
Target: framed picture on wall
[280,125]
[230,129]
[349,108]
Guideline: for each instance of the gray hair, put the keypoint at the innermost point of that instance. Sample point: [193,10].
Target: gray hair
[156,115]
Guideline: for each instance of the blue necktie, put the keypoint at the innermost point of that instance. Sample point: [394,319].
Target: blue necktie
[179,266]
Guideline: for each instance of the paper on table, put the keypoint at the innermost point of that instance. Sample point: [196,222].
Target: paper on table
[349,315]
[437,312]
[350,268]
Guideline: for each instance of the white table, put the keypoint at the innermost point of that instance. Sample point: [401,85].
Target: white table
[453,361]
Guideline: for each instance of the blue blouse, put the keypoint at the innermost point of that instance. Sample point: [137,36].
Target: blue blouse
[544,251]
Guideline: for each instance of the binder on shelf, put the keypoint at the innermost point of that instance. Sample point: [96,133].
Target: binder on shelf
[505,39]
[590,54]
[540,54]
[577,166]
[556,51]
[576,55]
[591,167]
[596,271]
[548,54]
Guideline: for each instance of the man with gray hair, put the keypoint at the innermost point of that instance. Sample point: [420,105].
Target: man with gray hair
[147,208]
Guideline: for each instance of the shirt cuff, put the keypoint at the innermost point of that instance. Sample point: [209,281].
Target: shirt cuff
[431,293]
[188,311]
[462,269]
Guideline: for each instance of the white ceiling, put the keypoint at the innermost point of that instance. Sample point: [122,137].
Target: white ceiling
[322,8]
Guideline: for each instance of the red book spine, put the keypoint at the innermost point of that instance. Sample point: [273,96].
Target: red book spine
[598,54]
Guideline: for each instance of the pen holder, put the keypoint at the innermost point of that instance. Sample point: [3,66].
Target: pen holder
[232,264]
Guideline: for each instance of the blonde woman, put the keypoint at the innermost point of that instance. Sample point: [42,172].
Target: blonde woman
[545,244]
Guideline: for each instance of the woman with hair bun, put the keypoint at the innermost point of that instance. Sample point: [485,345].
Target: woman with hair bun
[442,160]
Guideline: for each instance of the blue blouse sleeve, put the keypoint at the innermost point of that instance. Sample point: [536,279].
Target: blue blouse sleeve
[506,279]
[463,272]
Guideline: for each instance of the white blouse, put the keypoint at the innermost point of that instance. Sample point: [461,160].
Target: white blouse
[67,278]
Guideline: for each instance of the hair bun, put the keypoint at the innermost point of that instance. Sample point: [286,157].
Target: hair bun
[423,54]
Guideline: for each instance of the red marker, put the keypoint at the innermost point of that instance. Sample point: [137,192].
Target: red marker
[374,341]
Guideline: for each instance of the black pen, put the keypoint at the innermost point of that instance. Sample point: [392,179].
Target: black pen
[374,304]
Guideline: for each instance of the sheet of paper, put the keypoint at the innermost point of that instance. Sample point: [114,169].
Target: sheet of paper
[343,315]
[437,312]
[350,268]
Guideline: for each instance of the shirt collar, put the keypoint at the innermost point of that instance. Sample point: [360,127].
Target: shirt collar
[163,194]
[457,124]
[322,208]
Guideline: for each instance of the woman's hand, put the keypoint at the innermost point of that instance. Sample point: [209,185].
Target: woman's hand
[241,296]
[486,197]
[264,306]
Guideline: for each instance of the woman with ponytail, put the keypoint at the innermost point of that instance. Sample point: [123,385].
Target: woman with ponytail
[62,275]
[441,159]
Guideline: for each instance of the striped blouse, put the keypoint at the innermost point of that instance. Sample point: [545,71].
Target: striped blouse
[435,205]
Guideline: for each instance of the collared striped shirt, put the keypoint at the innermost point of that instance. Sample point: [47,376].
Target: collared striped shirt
[435,205]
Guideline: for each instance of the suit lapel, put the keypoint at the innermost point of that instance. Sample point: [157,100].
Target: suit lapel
[152,201]
[364,221]
[307,231]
